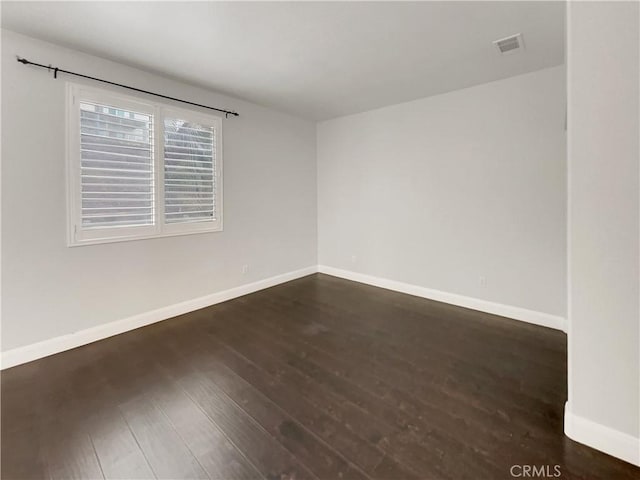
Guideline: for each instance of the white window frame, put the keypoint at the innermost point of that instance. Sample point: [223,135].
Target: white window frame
[76,235]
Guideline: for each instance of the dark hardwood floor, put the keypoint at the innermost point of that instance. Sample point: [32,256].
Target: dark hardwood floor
[317,378]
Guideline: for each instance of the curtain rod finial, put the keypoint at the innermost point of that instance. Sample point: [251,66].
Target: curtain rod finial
[22,60]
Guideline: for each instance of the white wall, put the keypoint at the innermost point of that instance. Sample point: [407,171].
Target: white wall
[441,191]
[51,290]
[604,215]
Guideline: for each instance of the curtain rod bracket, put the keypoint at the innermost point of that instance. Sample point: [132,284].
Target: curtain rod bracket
[24,61]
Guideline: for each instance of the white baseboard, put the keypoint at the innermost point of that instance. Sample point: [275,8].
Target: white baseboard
[587,432]
[517,313]
[618,444]
[28,353]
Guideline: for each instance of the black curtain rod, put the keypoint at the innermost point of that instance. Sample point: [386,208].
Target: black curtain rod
[57,70]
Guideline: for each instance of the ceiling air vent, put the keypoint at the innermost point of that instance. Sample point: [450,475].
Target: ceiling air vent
[509,45]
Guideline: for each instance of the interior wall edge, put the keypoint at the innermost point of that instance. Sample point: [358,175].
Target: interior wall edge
[516,313]
[595,435]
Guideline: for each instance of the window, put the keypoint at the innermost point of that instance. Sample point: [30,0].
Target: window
[139,169]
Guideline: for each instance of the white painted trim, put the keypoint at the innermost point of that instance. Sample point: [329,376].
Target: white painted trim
[55,345]
[45,348]
[595,435]
[517,313]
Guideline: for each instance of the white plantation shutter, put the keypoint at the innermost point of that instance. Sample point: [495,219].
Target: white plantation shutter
[116,167]
[140,169]
[189,171]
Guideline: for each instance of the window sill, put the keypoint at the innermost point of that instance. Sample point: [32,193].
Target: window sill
[131,238]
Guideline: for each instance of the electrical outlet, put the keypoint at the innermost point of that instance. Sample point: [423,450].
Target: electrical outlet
[354,259]
[245,269]
[482,281]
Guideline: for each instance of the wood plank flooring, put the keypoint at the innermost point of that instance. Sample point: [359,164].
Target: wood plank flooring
[319,378]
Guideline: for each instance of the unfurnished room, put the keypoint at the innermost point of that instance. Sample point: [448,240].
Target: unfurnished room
[320,240]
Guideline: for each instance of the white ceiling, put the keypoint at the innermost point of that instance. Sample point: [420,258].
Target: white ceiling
[314,59]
